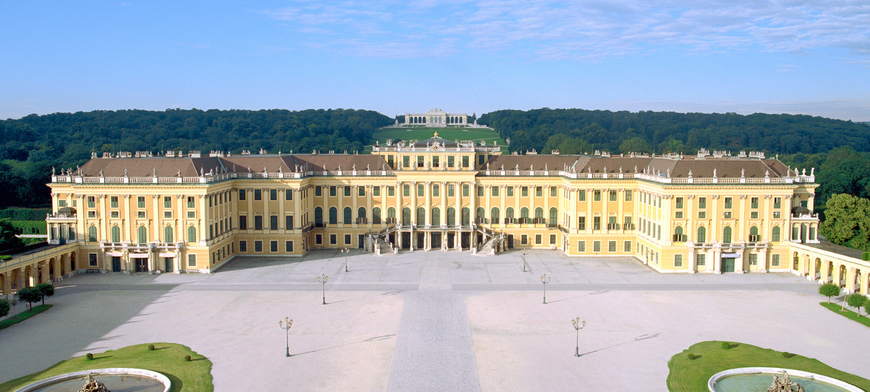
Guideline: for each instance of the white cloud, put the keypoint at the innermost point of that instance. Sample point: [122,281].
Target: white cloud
[584,29]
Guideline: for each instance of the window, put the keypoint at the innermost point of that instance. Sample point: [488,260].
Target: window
[753,202]
[191,260]
[702,202]
[553,191]
[596,195]
[702,214]
[465,161]
[92,201]
[627,225]
[406,161]
[678,215]
[167,214]
[406,190]
[524,239]
[190,214]
[726,214]
[318,191]
[333,239]
[495,191]
[361,191]
[273,222]
[596,246]
[626,247]
[678,261]
[391,191]
[243,222]
[376,215]
[376,191]
[537,239]
[242,195]
[777,202]
[116,234]
[702,234]
[191,202]
[273,194]
[318,239]
[596,223]
[347,191]
[775,235]
[421,190]
[288,222]
[92,259]
[480,191]
[288,246]
[539,191]
[464,190]
[612,195]
[753,215]
[510,191]
[753,259]
[726,235]
[728,202]
[258,194]
[611,246]
[777,214]
[142,234]
[581,246]
[451,190]
[581,223]
[258,222]
[258,246]
[582,194]
[92,233]
[679,203]
[702,260]
[191,234]
[288,194]
[628,195]
[347,215]
[436,161]
[436,190]
[420,161]
[113,201]
[552,239]
[451,161]
[524,191]
[347,239]
[332,190]
[774,260]
[421,215]
[678,234]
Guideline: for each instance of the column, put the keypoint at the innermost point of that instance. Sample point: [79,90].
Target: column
[443,216]
[428,192]
[413,195]
[127,219]
[850,279]
[714,221]
[181,233]
[297,209]
[266,225]
[104,220]
[282,198]
[354,195]
[472,193]
[546,193]
[487,196]
[250,198]
[203,217]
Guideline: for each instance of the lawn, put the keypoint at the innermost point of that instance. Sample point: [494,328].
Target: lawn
[692,375]
[167,358]
[834,307]
[422,133]
[10,321]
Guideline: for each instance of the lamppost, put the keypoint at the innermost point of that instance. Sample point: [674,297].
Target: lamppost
[578,326]
[346,251]
[285,325]
[545,279]
[525,252]
[322,280]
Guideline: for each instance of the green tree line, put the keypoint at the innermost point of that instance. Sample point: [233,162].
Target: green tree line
[30,146]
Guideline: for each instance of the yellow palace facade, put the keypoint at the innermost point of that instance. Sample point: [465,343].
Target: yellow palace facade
[706,213]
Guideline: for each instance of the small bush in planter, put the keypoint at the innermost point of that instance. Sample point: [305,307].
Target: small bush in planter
[151,347]
[786,354]
[692,356]
[187,358]
[726,345]
[89,356]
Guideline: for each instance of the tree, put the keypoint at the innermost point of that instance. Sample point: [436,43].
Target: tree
[847,221]
[29,295]
[856,301]
[829,290]
[4,307]
[8,240]
[635,144]
[45,290]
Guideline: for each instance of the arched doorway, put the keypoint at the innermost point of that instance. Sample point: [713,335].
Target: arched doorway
[28,276]
[842,274]
[3,284]
[818,269]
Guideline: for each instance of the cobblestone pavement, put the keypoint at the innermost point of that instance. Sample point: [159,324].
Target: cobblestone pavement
[433,321]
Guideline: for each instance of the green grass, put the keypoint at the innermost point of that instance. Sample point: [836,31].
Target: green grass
[10,321]
[422,133]
[167,358]
[30,227]
[692,375]
[834,307]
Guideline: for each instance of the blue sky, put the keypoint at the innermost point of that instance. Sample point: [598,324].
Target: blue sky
[396,57]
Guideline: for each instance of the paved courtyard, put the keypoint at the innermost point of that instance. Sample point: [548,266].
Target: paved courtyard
[434,321]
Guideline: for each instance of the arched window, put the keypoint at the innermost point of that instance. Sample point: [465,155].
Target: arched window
[554,216]
[391,213]
[451,216]
[775,236]
[509,213]
[191,233]
[406,216]
[143,234]
[318,217]
[539,213]
[348,215]
[376,215]
[753,234]
[726,235]
[494,216]
[116,234]
[678,234]
[167,234]
[361,213]
[92,233]
[333,215]
[702,234]
[421,216]
[524,213]
[480,215]
[466,216]
[436,217]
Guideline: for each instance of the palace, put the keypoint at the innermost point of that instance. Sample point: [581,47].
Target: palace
[705,213]
[434,118]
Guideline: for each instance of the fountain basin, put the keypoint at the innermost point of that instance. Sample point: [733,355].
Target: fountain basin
[753,378]
[116,380]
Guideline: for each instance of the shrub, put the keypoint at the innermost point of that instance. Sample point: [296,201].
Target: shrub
[89,356]
[151,347]
[4,307]
[726,345]
[856,301]
[692,357]
[187,358]
[786,354]
[829,290]
[5,257]
[29,295]
[45,290]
